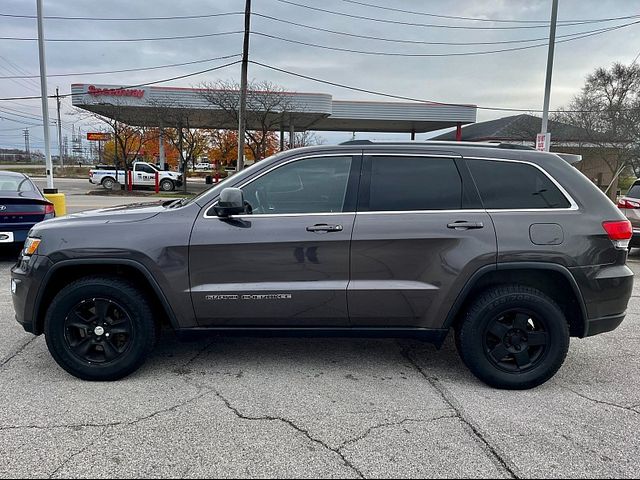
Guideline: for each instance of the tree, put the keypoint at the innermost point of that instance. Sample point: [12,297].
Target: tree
[608,110]
[128,140]
[223,146]
[307,138]
[195,143]
[267,105]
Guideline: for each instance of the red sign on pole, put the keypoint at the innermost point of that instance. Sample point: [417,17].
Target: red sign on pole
[543,141]
[98,136]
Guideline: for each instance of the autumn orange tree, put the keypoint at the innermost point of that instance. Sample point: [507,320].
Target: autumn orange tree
[223,146]
[151,151]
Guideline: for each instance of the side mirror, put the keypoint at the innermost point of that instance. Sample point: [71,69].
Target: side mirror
[231,202]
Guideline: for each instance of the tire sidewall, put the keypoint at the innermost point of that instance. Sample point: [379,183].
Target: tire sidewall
[166,182]
[142,339]
[472,348]
[108,181]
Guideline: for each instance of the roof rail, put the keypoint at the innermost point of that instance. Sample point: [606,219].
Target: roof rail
[570,158]
[509,146]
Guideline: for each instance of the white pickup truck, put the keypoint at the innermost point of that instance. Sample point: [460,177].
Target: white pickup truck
[142,175]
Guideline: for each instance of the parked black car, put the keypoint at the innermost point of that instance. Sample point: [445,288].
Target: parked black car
[515,250]
[22,205]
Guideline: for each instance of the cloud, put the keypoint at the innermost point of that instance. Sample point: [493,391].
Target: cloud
[514,79]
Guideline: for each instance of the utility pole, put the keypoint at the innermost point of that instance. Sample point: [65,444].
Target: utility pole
[26,143]
[45,104]
[242,120]
[547,87]
[59,131]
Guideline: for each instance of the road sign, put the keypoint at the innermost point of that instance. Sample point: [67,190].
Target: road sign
[98,136]
[543,141]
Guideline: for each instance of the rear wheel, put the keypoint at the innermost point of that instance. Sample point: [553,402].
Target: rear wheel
[167,185]
[108,183]
[100,328]
[513,337]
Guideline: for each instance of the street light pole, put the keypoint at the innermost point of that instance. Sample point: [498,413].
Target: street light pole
[242,113]
[45,105]
[547,87]
[59,130]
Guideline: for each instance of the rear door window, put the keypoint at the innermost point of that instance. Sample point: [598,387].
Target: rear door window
[514,186]
[413,183]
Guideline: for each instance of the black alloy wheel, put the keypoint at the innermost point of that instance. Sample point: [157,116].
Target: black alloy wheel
[98,330]
[516,340]
[513,336]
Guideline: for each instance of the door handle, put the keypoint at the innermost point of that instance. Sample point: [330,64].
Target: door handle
[462,225]
[323,227]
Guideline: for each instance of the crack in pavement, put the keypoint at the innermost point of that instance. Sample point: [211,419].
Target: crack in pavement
[199,353]
[457,408]
[603,402]
[79,452]
[112,424]
[20,349]
[299,429]
[370,430]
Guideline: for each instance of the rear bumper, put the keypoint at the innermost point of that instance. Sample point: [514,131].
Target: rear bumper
[595,326]
[19,233]
[606,290]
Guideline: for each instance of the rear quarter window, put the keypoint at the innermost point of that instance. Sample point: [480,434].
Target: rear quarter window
[512,186]
[634,191]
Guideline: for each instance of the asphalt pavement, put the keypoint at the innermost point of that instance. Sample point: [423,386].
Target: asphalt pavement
[305,408]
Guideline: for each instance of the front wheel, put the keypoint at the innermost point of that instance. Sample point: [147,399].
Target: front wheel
[513,337]
[167,185]
[100,328]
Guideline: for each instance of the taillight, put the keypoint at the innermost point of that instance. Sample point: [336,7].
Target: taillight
[623,203]
[49,209]
[619,231]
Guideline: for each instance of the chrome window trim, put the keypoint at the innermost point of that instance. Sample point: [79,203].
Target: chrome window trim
[573,205]
[271,215]
[274,167]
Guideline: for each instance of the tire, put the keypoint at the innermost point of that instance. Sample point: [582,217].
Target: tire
[108,183]
[167,185]
[106,349]
[513,337]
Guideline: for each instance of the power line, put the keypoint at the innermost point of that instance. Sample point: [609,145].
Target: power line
[450,54]
[164,80]
[148,39]
[133,19]
[477,19]
[106,72]
[429,25]
[418,42]
[411,99]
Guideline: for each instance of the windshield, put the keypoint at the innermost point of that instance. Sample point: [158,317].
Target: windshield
[12,183]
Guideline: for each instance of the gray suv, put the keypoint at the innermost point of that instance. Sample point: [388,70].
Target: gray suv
[512,249]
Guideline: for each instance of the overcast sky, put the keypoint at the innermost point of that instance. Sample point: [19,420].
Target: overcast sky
[507,79]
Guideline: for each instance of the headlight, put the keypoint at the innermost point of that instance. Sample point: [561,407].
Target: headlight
[31,245]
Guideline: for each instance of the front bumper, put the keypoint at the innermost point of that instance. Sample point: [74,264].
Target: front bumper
[26,278]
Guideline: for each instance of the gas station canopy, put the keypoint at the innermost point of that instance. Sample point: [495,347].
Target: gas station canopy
[168,106]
